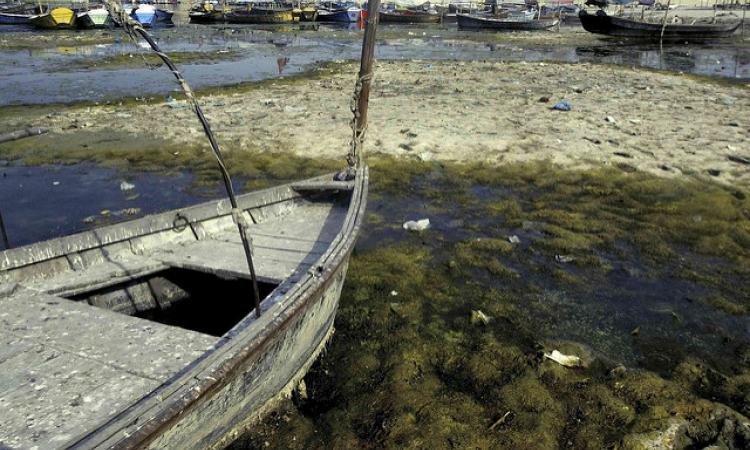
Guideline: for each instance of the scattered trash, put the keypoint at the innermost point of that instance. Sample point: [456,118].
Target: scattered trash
[55,183]
[564,259]
[125,186]
[89,219]
[514,239]
[172,103]
[105,212]
[564,360]
[635,331]
[739,159]
[478,317]
[394,293]
[132,197]
[503,421]
[417,225]
[728,101]
[131,211]
[563,105]
[610,119]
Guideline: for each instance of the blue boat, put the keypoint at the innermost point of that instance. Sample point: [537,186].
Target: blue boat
[14,19]
[345,13]
[145,15]
[164,15]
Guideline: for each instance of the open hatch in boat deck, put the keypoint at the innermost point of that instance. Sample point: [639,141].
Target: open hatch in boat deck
[77,346]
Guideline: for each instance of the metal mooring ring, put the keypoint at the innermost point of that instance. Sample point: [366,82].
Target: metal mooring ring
[180,222]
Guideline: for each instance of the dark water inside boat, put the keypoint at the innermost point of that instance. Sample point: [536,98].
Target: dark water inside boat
[71,72]
[42,202]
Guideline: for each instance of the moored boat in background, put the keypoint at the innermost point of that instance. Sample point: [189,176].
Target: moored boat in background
[504,24]
[93,18]
[601,23]
[55,19]
[261,15]
[145,15]
[410,16]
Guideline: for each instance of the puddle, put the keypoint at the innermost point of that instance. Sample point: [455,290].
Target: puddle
[47,201]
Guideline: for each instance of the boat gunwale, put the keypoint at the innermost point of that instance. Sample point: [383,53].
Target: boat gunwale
[39,252]
[219,365]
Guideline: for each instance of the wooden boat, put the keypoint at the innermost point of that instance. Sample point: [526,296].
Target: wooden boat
[306,14]
[145,15]
[207,12]
[345,15]
[55,19]
[99,316]
[409,16]
[261,15]
[601,23]
[15,18]
[93,18]
[467,21]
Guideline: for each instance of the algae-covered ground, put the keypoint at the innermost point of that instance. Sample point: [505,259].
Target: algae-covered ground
[651,297]
[640,276]
[618,232]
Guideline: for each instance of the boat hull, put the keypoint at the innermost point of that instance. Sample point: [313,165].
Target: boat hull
[15,19]
[620,27]
[259,361]
[144,16]
[410,17]
[261,16]
[58,18]
[352,15]
[93,19]
[483,23]
[206,17]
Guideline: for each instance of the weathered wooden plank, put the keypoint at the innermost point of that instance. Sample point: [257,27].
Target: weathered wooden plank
[139,346]
[57,395]
[227,259]
[97,276]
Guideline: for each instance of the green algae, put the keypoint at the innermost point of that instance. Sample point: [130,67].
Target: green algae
[150,59]
[407,368]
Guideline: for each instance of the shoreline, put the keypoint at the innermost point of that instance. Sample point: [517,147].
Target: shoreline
[635,119]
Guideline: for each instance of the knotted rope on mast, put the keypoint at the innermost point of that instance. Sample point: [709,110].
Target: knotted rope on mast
[354,157]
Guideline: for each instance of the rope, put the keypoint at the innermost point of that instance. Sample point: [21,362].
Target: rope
[354,157]
[134,29]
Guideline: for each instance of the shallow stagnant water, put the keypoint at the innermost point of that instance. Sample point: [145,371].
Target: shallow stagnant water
[76,71]
[47,201]
[409,296]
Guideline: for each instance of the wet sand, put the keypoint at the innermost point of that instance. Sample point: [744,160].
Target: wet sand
[661,123]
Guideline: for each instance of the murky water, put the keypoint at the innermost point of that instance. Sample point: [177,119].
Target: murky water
[42,202]
[618,300]
[56,74]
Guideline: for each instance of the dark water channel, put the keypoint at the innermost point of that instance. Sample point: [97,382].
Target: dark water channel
[47,201]
[69,72]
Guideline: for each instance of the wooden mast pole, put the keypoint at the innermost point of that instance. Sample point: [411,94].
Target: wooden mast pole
[361,97]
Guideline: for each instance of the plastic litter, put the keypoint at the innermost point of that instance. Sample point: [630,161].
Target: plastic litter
[564,360]
[563,105]
[417,225]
